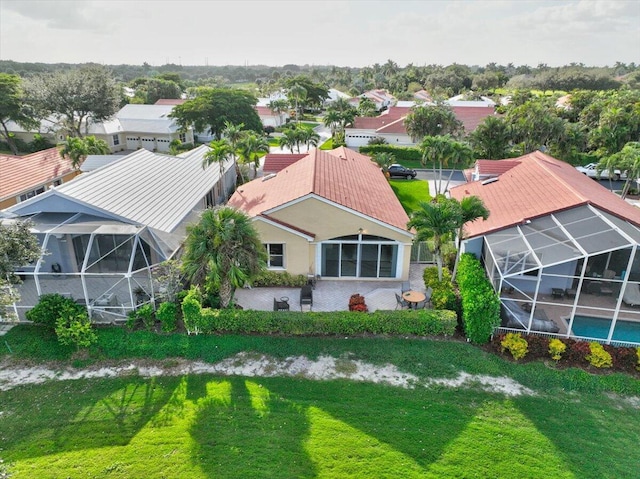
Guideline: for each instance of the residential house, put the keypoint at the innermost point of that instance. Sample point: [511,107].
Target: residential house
[331,214]
[23,177]
[268,117]
[382,99]
[133,127]
[390,124]
[103,233]
[561,249]
[335,95]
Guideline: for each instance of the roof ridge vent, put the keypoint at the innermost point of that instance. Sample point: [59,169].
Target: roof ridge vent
[490,180]
[269,176]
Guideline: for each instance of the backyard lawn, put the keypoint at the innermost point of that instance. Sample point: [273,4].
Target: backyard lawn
[410,193]
[569,424]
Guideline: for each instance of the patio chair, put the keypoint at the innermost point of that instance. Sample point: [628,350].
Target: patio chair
[428,294]
[406,286]
[631,294]
[608,274]
[306,296]
[280,305]
[401,302]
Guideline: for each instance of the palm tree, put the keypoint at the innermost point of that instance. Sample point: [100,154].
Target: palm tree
[223,252]
[298,94]
[627,159]
[472,209]
[332,119]
[77,149]
[308,137]
[436,221]
[441,150]
[384,160]
[250,147]
[278,107]
[290,139]
[219,153]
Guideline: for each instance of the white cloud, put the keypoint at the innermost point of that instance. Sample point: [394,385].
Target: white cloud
[349,33]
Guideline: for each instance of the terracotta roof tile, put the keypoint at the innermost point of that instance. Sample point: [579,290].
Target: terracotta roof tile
[472,116]
[170,101]
[275,162]
[342,176]
[538,186]
[24,173]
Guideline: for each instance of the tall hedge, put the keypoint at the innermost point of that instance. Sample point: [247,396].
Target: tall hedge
[402,153]
[420,322]
[480,303]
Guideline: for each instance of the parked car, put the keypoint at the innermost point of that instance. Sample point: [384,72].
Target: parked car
[399,170]
[591,170]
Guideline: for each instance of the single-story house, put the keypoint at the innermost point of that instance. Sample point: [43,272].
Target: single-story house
[102,233]
[133,127]
[335,95]
[268,117]
[382,99]
[390,124]
[561,249]
[23,177]
[331,214]
[141,126]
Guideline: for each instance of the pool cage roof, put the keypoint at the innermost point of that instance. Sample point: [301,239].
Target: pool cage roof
[558,238]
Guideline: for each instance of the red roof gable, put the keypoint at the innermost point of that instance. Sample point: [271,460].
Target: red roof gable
[24,173]
[341,176]
[538,186]
[275,162]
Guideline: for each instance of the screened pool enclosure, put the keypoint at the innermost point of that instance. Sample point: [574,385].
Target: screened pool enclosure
[581,262]
[103,264]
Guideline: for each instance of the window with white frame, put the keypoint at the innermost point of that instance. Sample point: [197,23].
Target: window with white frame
[116,140]
[31,194]
[183,138]
[275,255]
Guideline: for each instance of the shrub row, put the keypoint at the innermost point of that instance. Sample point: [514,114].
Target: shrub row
[280,278]
[480,303]
[402,153]
[569,352]
[420,322]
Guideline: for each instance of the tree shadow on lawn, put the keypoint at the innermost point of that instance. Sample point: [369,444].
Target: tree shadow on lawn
[80,414]
[597,434]
[276,427]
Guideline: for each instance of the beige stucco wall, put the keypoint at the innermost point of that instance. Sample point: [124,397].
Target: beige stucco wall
[325,221]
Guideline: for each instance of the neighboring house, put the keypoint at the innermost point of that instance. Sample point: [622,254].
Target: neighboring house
[423,96]
[276,162]
[561,249]
[133,127]
[382,99]
[268,117]
[170,101]
[335,95]
[141,126]
[103,232]
[23,177]
[390,124]
[331,214]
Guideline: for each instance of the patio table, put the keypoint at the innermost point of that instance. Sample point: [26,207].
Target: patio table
[413,298]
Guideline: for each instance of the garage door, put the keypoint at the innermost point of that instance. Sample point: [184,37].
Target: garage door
[133,143]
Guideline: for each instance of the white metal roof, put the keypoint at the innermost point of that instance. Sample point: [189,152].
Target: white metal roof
[93,162]
[148,188]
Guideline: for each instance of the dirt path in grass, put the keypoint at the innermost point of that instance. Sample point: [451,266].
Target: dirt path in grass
[257,365]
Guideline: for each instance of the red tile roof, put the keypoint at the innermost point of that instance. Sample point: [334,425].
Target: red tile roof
[24,173]
[264,111]
[169,101]
[495,168]
[275,162]
[472,116]
[538,186]
[341,176]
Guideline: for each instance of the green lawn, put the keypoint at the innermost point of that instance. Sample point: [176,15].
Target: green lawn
[273,141]
[410,192]
[327,145]
[576,425]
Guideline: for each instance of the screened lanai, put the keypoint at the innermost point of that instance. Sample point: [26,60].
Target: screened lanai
[573,273]
[103,264]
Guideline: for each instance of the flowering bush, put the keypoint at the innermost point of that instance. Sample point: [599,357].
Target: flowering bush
[356,303]
[516,345]
[556,349]
[598,357]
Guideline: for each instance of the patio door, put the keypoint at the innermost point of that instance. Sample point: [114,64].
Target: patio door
[359,259]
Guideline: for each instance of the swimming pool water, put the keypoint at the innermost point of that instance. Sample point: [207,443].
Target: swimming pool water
[591,327]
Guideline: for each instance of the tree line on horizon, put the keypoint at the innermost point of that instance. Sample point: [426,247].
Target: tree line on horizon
[442,80]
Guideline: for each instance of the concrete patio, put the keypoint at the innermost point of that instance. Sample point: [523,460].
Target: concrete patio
[333,295]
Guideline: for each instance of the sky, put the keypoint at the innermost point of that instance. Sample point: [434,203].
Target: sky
[352,33]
